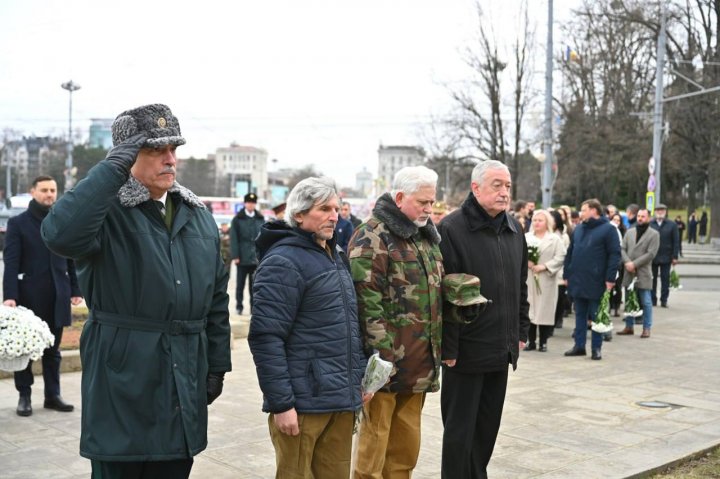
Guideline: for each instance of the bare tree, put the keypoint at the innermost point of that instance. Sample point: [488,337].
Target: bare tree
[478,122]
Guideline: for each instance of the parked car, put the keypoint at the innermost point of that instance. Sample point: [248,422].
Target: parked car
[5,215]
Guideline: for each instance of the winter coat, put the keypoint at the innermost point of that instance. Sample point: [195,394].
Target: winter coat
[544,301]
[304,332]
[641,253]
[158,314]
[472,244]
[669,241]
[35,277]
[592,258]
[397,269]
[244,230]
[343,233]
[703,224]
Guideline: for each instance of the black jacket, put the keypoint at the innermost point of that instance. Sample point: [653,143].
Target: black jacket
[669,241]
[34,276]
[472,244]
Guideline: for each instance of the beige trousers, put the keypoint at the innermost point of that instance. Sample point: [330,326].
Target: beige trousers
[389,439]
[322,450]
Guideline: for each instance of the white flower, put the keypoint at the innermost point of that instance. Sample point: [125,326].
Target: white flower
[22,333]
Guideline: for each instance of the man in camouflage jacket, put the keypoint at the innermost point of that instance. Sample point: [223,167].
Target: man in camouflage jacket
[397,270]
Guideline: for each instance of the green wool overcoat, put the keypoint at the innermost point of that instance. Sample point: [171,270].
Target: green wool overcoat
[158,315]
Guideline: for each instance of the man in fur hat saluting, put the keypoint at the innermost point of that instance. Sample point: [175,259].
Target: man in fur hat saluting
[157,342]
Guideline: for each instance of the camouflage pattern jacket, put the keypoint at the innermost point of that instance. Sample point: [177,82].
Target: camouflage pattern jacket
[397,270]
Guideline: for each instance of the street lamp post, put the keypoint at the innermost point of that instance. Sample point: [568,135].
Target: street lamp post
[70,86]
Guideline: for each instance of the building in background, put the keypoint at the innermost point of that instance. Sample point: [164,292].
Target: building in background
[245,166]
[393,158]
[364,182]
[31,157]
[100,133]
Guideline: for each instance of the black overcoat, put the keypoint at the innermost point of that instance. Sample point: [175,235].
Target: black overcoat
[471,244]
[34,276]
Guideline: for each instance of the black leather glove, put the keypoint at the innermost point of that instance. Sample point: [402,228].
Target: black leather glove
[214,386]
[123,156]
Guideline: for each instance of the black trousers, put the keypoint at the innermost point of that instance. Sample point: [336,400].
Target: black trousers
[664,282]
[471,406]
[545,331]
[50,367]
[243,272]
[179,469]
[561,306]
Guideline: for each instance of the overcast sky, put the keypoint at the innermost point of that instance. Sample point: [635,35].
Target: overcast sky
[312,82]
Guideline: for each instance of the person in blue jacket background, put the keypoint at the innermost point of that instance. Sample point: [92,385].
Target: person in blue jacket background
[591,265]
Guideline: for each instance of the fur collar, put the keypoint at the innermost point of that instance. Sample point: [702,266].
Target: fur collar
[133,193]
[387,211]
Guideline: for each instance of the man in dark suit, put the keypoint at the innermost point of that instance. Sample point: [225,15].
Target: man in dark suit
[41,281]
[667,254]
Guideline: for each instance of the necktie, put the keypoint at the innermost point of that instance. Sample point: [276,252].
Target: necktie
[161,207]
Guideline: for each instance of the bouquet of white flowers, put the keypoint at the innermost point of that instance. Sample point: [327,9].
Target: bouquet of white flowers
[23,337]
[632,306]
[377,373]
[602,323]
[533,246]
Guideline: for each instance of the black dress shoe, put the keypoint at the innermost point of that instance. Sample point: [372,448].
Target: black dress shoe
[56,403]
[596,355]
[543,348]
[24,406]
[575,351]
[663,305]
[529,347]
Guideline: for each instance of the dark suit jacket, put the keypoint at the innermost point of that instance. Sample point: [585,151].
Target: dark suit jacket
[34,277]
[669,241]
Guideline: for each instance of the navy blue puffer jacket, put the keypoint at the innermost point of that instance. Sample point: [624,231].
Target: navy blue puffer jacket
[304,332]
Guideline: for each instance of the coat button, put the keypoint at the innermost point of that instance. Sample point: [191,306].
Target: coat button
[175,365]
[177,281]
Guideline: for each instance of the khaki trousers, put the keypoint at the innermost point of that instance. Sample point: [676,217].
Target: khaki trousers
[389,439]
[322,450]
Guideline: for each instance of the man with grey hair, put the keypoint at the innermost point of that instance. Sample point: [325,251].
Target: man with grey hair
[481,239]
[305,338]
[397,269]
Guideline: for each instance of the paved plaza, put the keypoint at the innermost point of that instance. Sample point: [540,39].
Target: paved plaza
[564,417]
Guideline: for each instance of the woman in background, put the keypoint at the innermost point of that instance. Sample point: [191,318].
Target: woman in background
[542,278]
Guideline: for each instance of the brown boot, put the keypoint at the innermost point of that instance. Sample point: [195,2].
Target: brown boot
[626,331]
[645,333]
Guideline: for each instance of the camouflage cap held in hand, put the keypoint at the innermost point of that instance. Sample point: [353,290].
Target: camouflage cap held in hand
[156,121]
[462,289]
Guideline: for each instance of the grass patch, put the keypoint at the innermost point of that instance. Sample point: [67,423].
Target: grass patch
[71,334]
[705,466]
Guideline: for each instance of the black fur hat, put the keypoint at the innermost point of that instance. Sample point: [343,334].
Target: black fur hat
[157,121]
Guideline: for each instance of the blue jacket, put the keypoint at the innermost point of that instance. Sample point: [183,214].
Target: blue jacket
[34,276]
[343,232]
[592,258]
[669,241]
[304,332]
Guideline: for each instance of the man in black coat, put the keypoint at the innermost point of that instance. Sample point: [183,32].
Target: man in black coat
[667,254]
[481,239]
[244,230]
[43,282]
